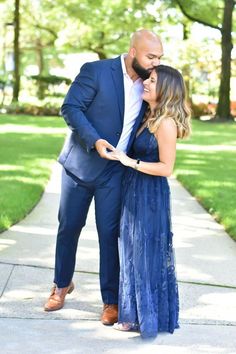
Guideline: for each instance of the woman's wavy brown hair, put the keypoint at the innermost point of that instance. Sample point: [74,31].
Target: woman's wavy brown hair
[171,101]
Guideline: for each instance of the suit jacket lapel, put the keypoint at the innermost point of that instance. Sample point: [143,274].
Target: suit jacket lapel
[118,79]
[136,125]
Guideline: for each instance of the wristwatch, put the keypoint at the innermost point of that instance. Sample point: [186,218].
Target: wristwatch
[136,166]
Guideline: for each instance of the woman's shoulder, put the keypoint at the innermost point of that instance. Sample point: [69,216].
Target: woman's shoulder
[167,127]
[168,122]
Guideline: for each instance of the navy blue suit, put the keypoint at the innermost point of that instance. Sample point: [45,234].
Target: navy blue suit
[93,109]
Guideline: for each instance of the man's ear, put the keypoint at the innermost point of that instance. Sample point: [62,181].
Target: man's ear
[132,52]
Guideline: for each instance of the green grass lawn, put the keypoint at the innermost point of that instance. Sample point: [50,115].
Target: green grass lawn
[206,166]
[28,148]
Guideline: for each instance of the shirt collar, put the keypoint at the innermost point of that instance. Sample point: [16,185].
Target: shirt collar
[122,58]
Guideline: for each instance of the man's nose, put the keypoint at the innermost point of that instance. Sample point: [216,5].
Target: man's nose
[155,62]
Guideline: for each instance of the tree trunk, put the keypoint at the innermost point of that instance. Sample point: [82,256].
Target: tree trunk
[185,30]
[186,72]
[16,75]
[100,54]
[40,60]
[100,49]
[223,107]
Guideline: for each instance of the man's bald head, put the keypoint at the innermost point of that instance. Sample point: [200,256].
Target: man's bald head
[143,35]
[144,53]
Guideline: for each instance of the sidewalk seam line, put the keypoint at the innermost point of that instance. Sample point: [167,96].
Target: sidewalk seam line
[185,322]
[9,276]
[95,273]
[207,284]
[43,267]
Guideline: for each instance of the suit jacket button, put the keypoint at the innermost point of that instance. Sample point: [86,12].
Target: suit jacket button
[117,134]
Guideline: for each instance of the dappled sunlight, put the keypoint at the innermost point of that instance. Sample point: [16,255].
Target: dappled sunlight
[206,254]
[53,188]
[112,337]
[4,167]
[210,257]
[14,128]
[220,299]
[32,121]
[210,138]
[185,220]
[182,244]
[26,166]
[219,304]
[36,230]
[192,160]
[84,326]
[6,243]
[220,184]
[188,172]
[19,294]
[31,245]
[210,148]
[30,180]
[192,274]
[208,172]
[210,133]
[207,348]
[29,287]
[31,152]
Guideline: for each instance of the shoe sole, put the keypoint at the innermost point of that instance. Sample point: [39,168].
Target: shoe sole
[108,323]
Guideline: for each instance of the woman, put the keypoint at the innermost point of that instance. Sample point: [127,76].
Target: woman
[148,295]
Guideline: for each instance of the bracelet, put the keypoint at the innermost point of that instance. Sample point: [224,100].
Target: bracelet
[136,166]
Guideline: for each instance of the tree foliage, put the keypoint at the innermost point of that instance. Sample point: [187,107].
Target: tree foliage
[104,26]
[217,14]
[50,28]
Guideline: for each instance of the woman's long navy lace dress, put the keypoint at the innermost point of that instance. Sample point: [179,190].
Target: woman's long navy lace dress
[148,295]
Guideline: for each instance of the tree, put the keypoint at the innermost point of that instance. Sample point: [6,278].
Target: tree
[211,13]
[16,81]
[41,28]
[104,26]
[38,30]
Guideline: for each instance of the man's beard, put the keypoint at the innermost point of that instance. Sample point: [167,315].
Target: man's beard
[143,73]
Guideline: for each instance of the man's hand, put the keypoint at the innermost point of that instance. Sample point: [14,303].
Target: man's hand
[104,149]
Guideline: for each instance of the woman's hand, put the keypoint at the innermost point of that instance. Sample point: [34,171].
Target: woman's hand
[104,149]
[123,158]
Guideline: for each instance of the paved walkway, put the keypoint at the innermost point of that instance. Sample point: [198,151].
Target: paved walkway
[206,269]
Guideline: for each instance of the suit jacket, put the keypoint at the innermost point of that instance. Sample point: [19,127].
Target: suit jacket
[94,109]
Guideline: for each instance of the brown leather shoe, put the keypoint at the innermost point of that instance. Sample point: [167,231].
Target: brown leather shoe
[109,315]
[57,297]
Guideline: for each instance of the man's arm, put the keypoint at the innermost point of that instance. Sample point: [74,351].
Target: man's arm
[77,100]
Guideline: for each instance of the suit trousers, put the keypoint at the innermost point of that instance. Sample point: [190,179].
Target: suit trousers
[76,197]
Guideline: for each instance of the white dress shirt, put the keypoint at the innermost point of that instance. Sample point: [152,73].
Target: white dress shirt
[133,102]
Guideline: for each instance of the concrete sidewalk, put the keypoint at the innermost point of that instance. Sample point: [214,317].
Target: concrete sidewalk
[206,269]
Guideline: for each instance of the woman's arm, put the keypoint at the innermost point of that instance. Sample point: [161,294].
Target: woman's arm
[166,137]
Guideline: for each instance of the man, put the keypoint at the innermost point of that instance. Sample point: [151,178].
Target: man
[103,108]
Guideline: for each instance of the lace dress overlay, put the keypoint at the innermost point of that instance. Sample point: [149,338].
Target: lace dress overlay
[148,294]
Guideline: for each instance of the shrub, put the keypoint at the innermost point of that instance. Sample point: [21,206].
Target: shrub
[35,110]
[51,79]
[200,109]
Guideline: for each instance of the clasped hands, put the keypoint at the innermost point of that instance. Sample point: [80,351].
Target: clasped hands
[107,151]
